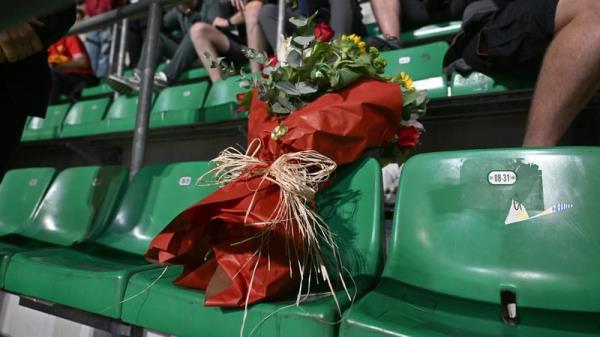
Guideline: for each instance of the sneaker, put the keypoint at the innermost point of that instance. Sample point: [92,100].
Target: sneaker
[124,85]
[160,81]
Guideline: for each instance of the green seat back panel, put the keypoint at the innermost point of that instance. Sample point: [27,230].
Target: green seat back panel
[351,205]
[470,224]
[86,112]
[77,205]
[155,196]
[101,89]
[21,192]
[90,277]
[193,74]
[183,97]
[396,309]
[179,105]
[225,91]
[124,107]
[421,62]
[48,127]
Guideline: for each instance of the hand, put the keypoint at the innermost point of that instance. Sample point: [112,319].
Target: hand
[239,4]
[220,22]
[20,41]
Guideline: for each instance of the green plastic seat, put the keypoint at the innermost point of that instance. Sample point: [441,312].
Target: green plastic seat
[351,205]
[490,243]
[121,116]
[423,64]
[93,276]
[101,89]
[77,205]
[21,192]
[221,103]
[478,83]
[85,118]
[178,105]
[193,74]
[48,127]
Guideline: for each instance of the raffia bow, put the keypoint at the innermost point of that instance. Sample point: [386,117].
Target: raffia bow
[299,175]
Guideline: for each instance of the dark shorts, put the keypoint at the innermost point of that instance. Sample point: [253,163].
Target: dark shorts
[234,53]
[513,39]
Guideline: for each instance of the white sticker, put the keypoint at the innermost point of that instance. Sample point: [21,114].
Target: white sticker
[94,107]
[185,181]
[33,182]
[404,60]
[502,178]
[518,213]
[97,182]
[187,93]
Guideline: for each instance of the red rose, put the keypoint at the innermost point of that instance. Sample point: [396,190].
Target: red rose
[323,32]
[272,61]
[408,137]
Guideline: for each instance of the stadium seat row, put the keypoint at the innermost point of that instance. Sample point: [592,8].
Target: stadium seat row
[177,105]
[484,243]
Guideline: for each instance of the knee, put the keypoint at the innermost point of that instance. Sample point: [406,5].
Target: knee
[252,12]
[200,31]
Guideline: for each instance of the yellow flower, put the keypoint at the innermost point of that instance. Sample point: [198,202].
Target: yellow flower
[406,81]
[357,41]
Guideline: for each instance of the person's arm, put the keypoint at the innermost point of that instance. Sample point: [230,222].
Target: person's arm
[79,58]
[234,20]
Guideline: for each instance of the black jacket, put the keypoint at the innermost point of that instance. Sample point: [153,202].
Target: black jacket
[25,85]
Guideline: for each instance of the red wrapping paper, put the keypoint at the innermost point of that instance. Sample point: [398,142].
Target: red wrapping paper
[211,238]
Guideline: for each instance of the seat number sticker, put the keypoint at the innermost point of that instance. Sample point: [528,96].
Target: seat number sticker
[502,178]
[33,182]
[185,181]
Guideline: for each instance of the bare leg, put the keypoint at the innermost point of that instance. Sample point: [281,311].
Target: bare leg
[570,73]
[207,38]
[387,13]
[256,37]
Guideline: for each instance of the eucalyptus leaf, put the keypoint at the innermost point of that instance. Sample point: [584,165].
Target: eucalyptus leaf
[288,88]
[421,97]
[277,108]
[299,21]
[294,59]
[304,40]
[306,88]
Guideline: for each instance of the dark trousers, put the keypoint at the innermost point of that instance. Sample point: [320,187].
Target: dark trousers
[419,13]
[69,85]
[11,128]
[182,55]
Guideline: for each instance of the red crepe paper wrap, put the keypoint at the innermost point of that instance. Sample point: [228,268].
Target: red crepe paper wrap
[216,239]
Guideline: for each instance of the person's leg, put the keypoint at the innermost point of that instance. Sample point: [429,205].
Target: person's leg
[208,39]
[102,69]
[184,57]
[268,23]
[570,73]
[255,36]
[345,18]
[387,13]
[92,46]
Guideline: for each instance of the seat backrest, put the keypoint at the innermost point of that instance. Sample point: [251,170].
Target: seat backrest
[182,97]
[124,107]
[223,92]
[352,206]
[55,114]
[84,112]
[99,90]
[471,224]
[421,62]
[193,74]
[154,197]
[433,31]
[21,192]
[77,205]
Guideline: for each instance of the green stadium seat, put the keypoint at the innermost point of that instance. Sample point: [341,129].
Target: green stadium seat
[490,243]
[352,206]
[179,105]
[77,205]
[221,102]
[21,192]
[48,127]
[84,118]
[423,64]
[478,83]
[193,74]
[121,116]
[93,276]
[101,89]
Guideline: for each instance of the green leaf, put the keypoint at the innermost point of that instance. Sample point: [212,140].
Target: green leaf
[288,88]
[299,21]
[294,59]
[277,108]
[304,40]
[306,88]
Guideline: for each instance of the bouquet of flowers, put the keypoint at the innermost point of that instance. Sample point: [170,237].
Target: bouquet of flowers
[321,102]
